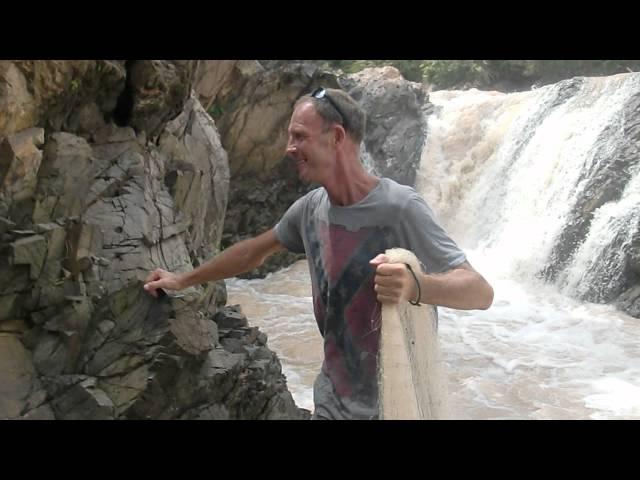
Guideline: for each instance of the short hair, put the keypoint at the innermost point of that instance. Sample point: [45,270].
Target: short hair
[348,114]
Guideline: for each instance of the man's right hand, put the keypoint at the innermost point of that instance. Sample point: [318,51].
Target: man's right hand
[162,279]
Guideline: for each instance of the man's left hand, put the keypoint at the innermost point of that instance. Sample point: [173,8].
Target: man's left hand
[393,281]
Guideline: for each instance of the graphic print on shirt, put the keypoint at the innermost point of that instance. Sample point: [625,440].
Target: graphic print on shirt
[345,304]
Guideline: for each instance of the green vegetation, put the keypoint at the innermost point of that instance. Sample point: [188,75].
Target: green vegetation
[443,74]
[215,111]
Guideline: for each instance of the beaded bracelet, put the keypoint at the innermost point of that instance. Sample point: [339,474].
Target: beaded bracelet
[417,302]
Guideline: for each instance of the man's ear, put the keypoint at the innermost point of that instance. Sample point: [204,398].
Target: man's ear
[339,134]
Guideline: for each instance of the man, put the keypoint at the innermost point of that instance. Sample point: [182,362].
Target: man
[343,227]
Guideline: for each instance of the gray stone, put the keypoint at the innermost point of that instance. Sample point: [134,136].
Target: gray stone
[49,92]
[14,325]
[30,251]
[19,378]
[20,160]
[210,412]
[51,356]
[159,90]
[83,401]
[7,306]
[6,225]
[126,389]
[194,334]
[42,412]
[629,301]
[230,318]
[395,126]
[64,179]
[112,203]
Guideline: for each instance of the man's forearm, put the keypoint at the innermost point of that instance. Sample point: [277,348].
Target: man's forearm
[230,263]
[239,258]
[459,288]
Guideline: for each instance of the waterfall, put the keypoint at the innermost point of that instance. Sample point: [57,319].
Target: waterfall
[542,183]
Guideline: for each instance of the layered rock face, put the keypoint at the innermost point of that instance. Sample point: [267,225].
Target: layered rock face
[396,124]
[108,170]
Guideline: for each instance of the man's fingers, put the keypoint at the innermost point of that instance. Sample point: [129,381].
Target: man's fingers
[396,269]
[381,258]
[388,299]
[388,278]
[155,275]
[384,291]
[152,287]
[387,295]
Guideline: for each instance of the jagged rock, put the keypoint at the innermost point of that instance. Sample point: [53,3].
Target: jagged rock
[230,317]
[138,179]
[5,225]
[15,326]
[219,77]
[83,400]
[20,390]
[64,178]
[13,278]
[256,109]
[30,251]
[633,259]
[159,90]
[197,168]
[629,301]
[53,93]
[395,131]
[194,334]
[20,160]
[7,306]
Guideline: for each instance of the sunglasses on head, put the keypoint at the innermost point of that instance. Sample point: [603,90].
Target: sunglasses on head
[321,93]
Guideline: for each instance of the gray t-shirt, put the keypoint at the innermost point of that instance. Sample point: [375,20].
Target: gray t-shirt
[339,242]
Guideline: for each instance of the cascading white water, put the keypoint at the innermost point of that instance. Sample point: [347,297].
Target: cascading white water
[593,267]
[503,172]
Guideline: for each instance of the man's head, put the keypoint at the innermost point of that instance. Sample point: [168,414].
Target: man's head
[325,125]
[337,107]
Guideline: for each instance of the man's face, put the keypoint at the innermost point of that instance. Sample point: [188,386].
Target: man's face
[310,144]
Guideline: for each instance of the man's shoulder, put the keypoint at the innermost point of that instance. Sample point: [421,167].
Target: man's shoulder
[396,192]
[313,196]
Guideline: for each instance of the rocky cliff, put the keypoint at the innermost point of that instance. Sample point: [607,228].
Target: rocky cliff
[108,170]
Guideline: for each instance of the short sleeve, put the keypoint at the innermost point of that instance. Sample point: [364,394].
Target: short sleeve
[427,239]
[288,229]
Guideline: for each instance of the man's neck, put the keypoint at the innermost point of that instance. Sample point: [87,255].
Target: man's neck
[350,183]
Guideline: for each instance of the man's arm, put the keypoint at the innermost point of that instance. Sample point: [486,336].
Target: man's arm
[461,287]
[239,258]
